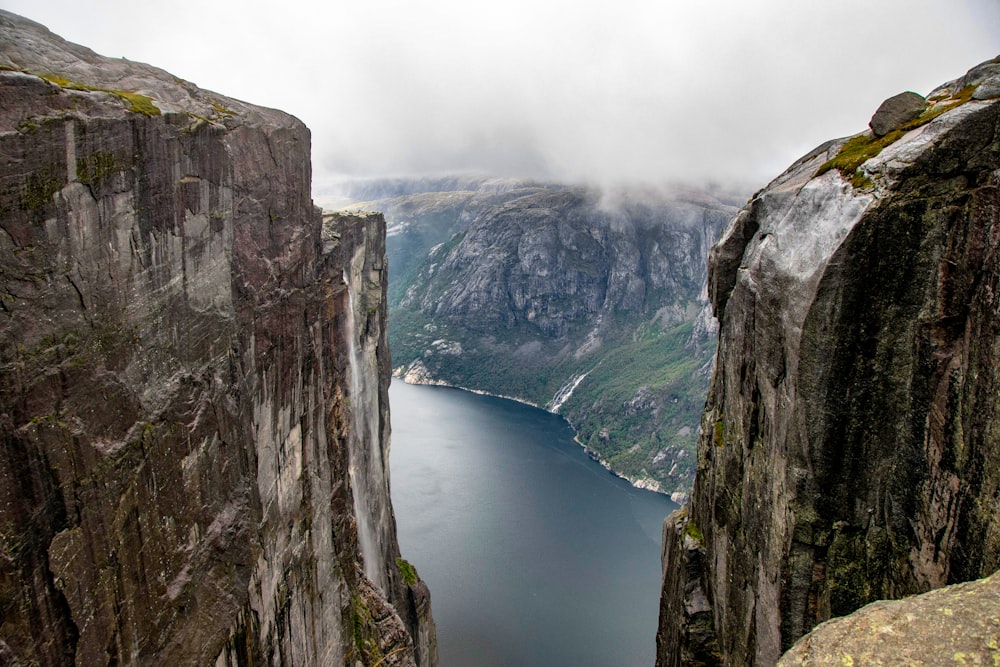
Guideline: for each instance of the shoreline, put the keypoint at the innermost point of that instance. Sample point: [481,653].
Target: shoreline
[677,496]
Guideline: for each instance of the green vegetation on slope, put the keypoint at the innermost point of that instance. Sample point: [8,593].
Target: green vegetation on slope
[636,410]
[133,101]
[575,300]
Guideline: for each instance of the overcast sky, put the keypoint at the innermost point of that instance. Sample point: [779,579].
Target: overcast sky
[608,90]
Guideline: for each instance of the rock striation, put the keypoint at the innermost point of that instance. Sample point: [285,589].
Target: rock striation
[193,376]
[849,448]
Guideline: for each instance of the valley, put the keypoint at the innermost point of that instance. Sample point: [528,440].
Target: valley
[588,302]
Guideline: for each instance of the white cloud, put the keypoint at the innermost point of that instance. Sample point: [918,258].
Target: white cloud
[630,89]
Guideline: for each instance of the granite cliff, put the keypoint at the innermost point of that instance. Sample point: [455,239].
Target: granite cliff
[584,301]
[193,375]
[849,448]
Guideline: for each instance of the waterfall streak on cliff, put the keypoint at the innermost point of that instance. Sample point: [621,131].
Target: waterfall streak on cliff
[565,392]
[365,451]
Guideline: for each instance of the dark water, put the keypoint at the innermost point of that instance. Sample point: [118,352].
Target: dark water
[534,554]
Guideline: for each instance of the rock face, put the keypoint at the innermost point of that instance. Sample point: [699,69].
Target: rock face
[589,303]
[849,448]
[193,375]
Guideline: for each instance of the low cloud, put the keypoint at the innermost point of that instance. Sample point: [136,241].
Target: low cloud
[599,91]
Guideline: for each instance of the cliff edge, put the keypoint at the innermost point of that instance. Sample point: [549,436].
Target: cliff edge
[193,376]
[849,448]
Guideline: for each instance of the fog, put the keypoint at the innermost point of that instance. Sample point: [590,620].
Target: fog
[630,90]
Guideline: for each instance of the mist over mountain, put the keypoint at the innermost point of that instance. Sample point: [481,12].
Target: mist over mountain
[586,301]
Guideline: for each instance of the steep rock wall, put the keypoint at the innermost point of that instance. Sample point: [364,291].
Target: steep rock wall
[849,442]
[182,346]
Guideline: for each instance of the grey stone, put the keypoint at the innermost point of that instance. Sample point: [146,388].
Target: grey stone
[896,111]
[988,89]
[958,624]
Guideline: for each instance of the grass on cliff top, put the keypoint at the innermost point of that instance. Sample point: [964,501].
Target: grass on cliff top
[133,101]
[408,572]
[863,147]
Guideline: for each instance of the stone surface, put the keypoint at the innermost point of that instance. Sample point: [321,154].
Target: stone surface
[849,447]
[955,625]
[193,374]
[895,112]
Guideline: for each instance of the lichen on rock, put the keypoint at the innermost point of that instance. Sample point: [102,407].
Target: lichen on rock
[958,624]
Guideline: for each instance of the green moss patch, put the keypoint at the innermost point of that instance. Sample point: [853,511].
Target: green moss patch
[408,571]
[692,530]
[222,110]
[39,187]
[858,150]
[719,437]
[97,167]
[133,101]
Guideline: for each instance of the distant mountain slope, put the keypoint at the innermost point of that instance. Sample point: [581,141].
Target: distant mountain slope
[589,303]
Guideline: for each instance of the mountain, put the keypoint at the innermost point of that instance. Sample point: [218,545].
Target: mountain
[193,383]
[588,302]
[849,448]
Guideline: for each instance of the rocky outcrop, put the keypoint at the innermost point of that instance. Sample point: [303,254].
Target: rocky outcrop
[588,302]
[193,375]
[955,625]
[849,441]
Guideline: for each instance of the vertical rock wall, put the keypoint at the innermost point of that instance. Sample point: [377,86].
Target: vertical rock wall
[179,441]
[849,448]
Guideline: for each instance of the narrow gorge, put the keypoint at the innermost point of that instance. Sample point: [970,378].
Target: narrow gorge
[849,446]
[193,378]
[194,373]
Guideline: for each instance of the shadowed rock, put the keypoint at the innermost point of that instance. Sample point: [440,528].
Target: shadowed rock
[848,450]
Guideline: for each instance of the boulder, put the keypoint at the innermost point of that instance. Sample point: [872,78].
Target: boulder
[895,112]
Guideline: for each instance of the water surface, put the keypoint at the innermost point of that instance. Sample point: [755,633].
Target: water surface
[534,554]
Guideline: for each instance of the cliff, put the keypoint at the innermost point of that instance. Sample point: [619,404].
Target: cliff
[587,302]
[193,375]
[849,448]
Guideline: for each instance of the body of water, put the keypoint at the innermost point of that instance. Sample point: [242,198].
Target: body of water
[534,554]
